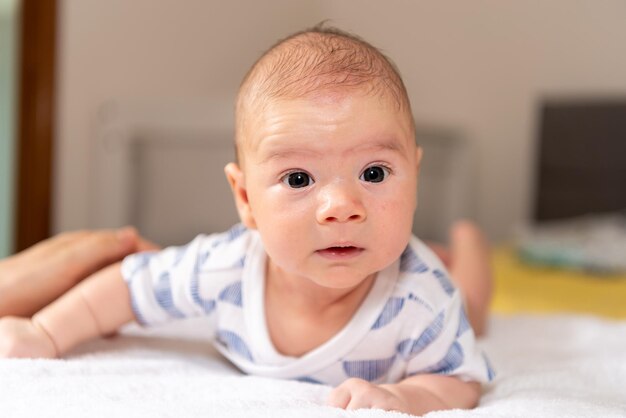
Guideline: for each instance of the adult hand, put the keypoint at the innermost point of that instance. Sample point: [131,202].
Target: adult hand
[35,277]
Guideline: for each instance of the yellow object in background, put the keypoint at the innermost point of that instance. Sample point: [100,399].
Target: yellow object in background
[523,288]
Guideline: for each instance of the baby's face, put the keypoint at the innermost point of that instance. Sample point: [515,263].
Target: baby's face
[331,186]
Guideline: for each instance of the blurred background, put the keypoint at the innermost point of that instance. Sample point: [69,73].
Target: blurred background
[118,111]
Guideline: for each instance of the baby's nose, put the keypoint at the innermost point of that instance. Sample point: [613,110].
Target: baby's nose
[340,203]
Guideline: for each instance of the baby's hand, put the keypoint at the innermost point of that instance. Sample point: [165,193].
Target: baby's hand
[20,337]
[358,393]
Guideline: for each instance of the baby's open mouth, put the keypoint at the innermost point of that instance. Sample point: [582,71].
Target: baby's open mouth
[340,252]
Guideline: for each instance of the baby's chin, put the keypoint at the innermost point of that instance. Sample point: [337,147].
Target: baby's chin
[338,277]
[342,277]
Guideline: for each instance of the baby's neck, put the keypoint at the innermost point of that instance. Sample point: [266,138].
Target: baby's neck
[301,315]
[304,295]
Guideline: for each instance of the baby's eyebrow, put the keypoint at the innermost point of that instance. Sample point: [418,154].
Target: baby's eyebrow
[384,145]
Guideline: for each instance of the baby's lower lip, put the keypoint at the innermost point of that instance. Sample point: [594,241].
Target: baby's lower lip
[340,253]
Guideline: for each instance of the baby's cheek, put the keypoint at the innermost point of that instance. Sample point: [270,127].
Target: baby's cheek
[283,249]
[393,236]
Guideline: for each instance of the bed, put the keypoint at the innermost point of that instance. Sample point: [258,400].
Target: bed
[556,339]
[565,359]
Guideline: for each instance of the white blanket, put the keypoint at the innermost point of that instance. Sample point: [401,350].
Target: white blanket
[548,366]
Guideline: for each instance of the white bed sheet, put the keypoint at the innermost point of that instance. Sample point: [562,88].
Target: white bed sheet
[548,366]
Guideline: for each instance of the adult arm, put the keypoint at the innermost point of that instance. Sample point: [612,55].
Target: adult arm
[36,276]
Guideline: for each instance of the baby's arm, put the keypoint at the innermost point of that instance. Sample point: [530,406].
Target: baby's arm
[96,307]
[416,395]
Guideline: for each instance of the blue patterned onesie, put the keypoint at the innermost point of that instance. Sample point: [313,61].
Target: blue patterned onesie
[411,322]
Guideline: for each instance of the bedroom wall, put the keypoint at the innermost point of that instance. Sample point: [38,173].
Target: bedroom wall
[478,68]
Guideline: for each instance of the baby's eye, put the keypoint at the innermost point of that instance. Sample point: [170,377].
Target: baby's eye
[374,174]
[297,180]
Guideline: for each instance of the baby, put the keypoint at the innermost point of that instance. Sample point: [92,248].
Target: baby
[322,281]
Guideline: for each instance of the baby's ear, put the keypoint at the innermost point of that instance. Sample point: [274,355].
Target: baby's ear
[418,165]
[237,184]
[418,158]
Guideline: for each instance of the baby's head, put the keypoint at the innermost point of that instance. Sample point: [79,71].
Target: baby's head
[327,158]
[319,63]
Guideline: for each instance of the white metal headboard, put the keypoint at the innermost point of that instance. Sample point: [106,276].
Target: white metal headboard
[160,168]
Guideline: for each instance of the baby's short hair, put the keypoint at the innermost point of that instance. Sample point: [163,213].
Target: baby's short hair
[315,61]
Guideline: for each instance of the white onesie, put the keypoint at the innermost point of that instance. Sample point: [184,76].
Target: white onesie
[411,322]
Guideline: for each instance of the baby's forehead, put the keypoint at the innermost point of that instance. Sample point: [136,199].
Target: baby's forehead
[304,121]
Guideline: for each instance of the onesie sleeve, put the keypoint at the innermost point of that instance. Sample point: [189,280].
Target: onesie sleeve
[447,345]
[177,282]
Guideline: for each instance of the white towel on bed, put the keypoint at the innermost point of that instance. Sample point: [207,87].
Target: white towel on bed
[548,366]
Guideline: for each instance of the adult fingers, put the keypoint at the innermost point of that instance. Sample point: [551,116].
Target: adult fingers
[60,262]
[39,275]
[145,245]
[45,249]
[33,261]
[98,249]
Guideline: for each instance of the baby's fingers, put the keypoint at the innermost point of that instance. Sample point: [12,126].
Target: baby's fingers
[353,394]
[359,393]
[339,397]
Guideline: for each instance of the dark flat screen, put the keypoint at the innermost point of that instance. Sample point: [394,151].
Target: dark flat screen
[582,158]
